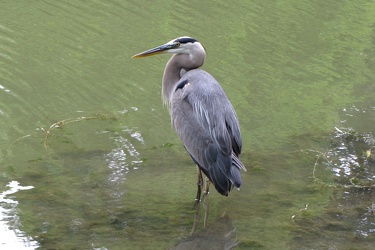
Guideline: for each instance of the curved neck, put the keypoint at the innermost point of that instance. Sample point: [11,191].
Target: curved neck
[170,77]
[172,72]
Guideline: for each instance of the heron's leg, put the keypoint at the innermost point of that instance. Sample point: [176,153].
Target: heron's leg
[200,185]
[205,202]
[197,200]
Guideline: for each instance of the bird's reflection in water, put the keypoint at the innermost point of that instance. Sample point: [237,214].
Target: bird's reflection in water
[218,235]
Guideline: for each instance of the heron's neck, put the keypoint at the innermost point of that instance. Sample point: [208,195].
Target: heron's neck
[172,72]
[170,77]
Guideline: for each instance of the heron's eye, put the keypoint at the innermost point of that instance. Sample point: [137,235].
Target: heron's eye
[173,46]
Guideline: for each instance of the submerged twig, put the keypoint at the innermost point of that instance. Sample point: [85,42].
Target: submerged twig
[316,179]
[22,137]
[61,123]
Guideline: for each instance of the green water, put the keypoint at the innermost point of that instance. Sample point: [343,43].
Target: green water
[83,128]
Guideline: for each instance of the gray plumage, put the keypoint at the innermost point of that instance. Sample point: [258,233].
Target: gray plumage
[201,114]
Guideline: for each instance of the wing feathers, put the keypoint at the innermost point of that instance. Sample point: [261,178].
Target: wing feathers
[206,123]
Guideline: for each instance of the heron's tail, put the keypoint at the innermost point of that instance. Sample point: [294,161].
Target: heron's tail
[223,180]
[235,176]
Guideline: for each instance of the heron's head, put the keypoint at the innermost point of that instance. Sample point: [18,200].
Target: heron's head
[181,45]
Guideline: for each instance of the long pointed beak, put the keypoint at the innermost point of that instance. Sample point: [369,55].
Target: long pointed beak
[157,50]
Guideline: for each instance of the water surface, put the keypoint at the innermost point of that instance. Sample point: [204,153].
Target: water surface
[88,159]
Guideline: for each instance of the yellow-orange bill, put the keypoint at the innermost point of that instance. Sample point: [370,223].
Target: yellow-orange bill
[151,52]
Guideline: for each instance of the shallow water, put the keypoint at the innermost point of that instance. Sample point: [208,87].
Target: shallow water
[87,156]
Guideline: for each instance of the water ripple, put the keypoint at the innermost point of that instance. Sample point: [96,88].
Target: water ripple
[11,237]
[124,156]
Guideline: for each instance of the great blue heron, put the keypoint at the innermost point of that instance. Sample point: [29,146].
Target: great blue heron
[201,114]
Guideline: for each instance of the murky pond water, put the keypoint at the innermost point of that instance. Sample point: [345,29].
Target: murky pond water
[88,159]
